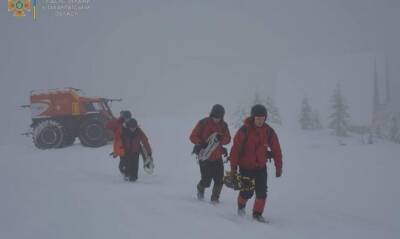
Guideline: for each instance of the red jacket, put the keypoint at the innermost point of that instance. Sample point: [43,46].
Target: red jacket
[131,141]
[250,146]
[205,128]
[124,141]
[115,126]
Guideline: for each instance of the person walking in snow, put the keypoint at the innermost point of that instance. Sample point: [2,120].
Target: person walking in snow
[127,145]
[115,126]
[213,167]
[250,153]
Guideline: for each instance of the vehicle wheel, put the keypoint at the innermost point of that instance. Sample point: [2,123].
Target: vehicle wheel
[48,134]
[92,133]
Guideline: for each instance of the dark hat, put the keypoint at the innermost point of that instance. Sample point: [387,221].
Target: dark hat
[259,110]
[131,123]
[126,114]
[217,111]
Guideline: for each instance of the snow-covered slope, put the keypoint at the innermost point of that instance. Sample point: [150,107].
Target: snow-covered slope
[327,191]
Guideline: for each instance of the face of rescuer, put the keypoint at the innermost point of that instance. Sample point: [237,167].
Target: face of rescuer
[259,121]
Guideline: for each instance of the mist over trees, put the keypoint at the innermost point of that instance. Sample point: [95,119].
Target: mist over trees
[274,116]
[239,115]
[309,118]
[305,119]
[340,116]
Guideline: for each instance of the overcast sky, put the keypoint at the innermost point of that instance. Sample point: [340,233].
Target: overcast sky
[180,57]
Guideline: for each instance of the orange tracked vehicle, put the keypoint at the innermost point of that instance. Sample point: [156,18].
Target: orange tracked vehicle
[60,116]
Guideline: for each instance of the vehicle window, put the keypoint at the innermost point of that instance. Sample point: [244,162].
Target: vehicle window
[90,107]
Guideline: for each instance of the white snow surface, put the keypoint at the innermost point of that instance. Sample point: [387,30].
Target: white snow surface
[328,190]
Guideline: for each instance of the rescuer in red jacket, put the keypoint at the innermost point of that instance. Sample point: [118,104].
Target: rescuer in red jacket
[250,154]
[127,138]
[116,126]
[213,167]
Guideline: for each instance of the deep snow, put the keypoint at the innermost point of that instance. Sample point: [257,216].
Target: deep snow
[327,190]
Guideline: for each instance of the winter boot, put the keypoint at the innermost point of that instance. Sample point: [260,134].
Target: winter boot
[241,210]
[259,218]
[200,192]
[241,206]
[216,191]
[132,179]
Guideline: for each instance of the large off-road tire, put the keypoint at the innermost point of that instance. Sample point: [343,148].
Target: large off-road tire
[92,132]
[48,134]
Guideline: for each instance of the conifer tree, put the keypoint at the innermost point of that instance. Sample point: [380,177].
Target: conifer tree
[339,116]
[306,118]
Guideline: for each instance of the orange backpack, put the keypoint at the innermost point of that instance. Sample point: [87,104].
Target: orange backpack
[118,146]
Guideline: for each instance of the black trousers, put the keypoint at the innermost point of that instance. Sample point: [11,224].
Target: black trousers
[129,166]
[211,170]
[260,176]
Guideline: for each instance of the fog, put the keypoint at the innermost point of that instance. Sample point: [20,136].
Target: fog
[177,58]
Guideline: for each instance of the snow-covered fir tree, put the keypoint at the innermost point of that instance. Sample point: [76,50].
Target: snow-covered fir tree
[340,116]
[316,120]
[306,117]
[257,100]
[274,116]
[239,115]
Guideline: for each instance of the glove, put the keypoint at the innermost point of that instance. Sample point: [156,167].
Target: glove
[278,172]
[225,152]
[270,155]
[114,155]
[197,148]
[219,137]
